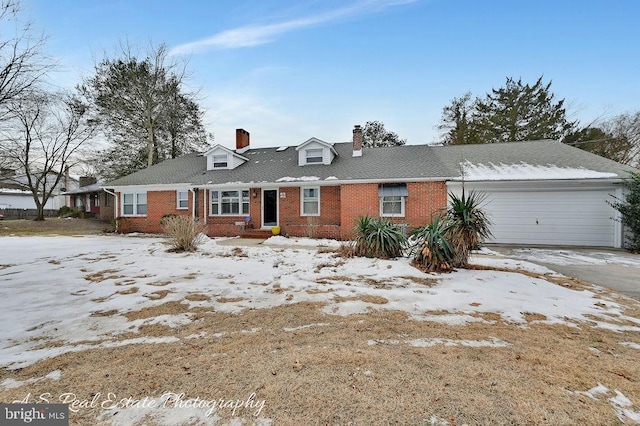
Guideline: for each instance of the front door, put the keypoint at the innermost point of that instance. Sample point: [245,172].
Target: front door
[270,207]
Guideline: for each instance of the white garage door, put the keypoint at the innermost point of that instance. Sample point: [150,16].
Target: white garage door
[554,217]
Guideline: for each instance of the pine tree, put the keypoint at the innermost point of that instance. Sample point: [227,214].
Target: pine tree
[629,208]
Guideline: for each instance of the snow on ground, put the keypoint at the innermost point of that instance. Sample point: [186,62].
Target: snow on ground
[571,257]
[75,290]
[279,240]
[428,342]
[622,405]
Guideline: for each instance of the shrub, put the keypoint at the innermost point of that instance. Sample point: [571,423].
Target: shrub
[376,237]
[431,250]
[66,211]
[183,233]
[166,217]
[629,209]
[467,225]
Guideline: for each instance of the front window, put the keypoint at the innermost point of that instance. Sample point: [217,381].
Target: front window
[392,206]
[310,202]
[182,197]
[134,204]
[220,161]
[314,155]
[230,203]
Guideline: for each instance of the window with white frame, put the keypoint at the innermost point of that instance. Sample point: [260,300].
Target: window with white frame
[182,199]
[392,199]
[314,155]
[229,203]
[220,161]
[134,204]
[310,202]
[392,206]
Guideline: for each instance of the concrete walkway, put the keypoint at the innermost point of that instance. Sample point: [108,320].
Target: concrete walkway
[241,242]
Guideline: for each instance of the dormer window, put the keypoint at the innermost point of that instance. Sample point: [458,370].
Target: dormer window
[314,152]
[314,155]
[220,161]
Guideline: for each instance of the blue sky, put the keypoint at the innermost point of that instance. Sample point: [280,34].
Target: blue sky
[290,70]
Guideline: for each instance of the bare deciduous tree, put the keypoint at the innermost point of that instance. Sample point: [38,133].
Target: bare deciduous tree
[42,134]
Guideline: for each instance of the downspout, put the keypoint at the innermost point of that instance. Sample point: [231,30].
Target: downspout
[205,201]
[193,203]
[115,206]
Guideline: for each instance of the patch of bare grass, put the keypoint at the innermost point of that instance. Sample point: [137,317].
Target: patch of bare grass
[368,298]
[108,313]
[429,282]
[160,283]
[54,226]
[157,295]
[169,308]
[100,276]
[197,297]
[229,299]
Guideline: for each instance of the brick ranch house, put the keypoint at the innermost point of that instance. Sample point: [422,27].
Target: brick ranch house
[538,192]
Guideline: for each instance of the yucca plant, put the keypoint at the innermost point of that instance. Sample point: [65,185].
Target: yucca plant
[431,250]
[376,237]
[468,225]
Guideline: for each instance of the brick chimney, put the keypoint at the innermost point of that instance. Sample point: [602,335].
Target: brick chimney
[87,180]
[357,141]
[242,141]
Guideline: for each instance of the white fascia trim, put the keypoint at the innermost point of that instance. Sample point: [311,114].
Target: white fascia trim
[149,188]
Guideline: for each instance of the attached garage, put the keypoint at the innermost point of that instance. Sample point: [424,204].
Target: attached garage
[551,213]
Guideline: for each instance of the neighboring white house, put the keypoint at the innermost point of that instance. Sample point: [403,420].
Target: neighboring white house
[14,193]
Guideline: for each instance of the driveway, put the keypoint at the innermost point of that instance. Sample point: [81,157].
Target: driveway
[615,269]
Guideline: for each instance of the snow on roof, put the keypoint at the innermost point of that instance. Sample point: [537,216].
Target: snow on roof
[298,179]
[14,191]
[525,171]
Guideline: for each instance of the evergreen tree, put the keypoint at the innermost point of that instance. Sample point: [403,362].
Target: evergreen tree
[144,112]
[629,208]
[374,135]
[457,122]
[515,112]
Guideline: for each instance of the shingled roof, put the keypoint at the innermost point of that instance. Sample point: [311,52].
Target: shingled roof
[400,163]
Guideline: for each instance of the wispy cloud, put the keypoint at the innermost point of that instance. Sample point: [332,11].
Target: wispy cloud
[254,35]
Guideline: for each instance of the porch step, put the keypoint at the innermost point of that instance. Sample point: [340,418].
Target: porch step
[257,233]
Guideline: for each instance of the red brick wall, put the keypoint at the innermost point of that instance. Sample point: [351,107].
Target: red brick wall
[159,203]
[424,199]
[327,225]
[340,207]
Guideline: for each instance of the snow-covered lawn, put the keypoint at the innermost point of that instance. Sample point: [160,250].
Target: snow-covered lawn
[71,294]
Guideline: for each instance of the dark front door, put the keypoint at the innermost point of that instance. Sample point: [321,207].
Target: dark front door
[270,207]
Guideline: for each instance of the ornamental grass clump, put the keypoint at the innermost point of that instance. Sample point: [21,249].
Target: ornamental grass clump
[377,237]
[183,233]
